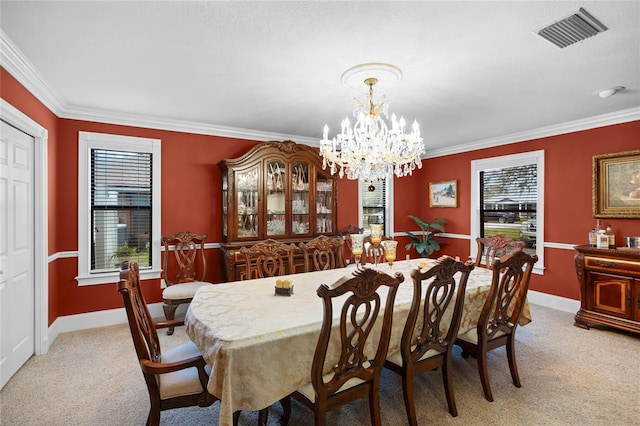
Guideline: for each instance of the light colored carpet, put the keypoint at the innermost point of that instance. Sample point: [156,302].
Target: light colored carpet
[570,376]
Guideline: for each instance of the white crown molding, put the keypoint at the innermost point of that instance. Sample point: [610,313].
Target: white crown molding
[127,119]
[618,117]
[16,63]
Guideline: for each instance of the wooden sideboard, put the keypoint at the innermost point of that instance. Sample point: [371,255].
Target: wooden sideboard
[609,288]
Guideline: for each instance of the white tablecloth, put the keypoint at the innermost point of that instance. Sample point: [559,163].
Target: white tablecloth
[260,346]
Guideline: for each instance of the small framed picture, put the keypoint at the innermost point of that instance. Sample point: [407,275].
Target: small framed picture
[443,194]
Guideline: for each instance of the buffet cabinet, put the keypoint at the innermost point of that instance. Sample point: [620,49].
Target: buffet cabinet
[277,190]
[609,287]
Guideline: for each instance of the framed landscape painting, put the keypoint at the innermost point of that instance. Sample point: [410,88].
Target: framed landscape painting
[443,194]
[616,185]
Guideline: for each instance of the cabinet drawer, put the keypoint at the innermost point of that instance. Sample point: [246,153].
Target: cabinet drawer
[604,264]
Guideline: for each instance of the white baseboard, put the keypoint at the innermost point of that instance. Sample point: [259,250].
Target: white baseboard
[102,319]
[554,302]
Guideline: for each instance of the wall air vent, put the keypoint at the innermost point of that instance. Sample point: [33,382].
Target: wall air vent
[573,29]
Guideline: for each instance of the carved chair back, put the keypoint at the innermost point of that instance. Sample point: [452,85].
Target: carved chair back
[268,258]
[510,283]
[431,327]
[184,268]
[500,315]
[186,387]
[322,253]
[358,330]
[143,331]
[494,247]
[188,263]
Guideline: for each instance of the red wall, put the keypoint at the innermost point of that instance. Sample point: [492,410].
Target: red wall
[567,192]
[191,196]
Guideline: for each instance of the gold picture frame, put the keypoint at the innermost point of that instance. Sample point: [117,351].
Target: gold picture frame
[616,185]
[443,194]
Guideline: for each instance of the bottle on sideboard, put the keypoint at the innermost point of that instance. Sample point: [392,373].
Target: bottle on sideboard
[611,236]
[603,239]
[593,238]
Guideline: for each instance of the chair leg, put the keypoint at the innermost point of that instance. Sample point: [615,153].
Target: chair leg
[320,417]
[263,416]
[484,375]
[511,356]
[409,401]
[286,410]
[169,314]
[374,406]
[448,385]
[154,417]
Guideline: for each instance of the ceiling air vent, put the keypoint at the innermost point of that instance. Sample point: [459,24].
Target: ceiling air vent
[573,29]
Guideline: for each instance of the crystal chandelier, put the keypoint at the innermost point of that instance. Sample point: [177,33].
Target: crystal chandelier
[371,150]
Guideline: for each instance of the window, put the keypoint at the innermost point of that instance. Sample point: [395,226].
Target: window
[508,199]
[376,204]
[119,206]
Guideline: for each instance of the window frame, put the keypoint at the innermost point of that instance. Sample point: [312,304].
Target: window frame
[86,142]
[388,206]
[506,161]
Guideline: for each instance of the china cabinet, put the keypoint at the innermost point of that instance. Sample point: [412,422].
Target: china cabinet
[609,287]
[276,190]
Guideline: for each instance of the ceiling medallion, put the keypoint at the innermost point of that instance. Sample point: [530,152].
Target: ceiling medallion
[372,150]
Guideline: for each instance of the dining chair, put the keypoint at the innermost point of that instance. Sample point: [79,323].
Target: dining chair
[177,378]
[184,272]
[345,233]
[268,258]
[431,328]
[360,340]
[322,253]
[494,247]
[500,315]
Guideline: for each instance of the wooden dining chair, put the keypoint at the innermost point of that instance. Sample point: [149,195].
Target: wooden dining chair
[322,253]
[494,247]
[431,328]
[345,233]
[184,272]
[355,370]
[500,315]
[268,258]
[177,378]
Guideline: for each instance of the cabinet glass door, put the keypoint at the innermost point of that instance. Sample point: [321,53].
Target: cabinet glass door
[247,187]
[324,204]
[300,198]
[225,205]
[275,186]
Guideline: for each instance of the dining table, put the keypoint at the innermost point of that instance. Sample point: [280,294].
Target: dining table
[260,345]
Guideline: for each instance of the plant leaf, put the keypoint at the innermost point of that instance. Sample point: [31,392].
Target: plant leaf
[421,223]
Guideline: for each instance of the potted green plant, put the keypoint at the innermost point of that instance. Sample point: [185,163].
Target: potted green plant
[425,244]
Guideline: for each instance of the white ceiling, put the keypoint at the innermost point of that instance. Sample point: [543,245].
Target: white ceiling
[472,71]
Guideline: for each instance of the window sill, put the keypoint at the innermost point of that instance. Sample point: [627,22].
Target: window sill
[114,277]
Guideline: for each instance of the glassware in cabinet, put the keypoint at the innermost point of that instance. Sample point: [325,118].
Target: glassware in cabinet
[247,203]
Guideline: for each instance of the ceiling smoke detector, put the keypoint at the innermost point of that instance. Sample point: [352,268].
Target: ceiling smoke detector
[573,29]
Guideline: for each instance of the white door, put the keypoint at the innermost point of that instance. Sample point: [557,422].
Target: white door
[17,284]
